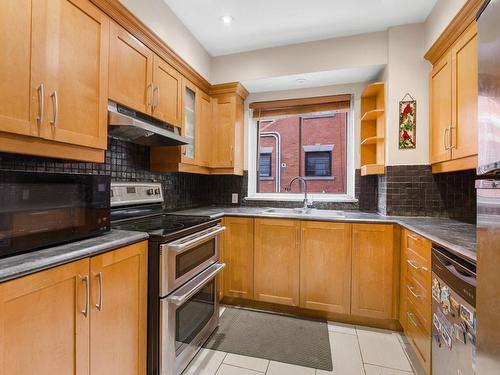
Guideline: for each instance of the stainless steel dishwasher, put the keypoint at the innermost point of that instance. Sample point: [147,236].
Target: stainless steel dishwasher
[453,314]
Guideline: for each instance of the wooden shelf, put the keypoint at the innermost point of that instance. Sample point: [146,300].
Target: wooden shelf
[370,169]
[372,115]
[372,140]
[373,89]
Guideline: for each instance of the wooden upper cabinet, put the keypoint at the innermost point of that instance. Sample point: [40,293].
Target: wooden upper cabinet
[224,132]
[190,124]
[42,327]
[71,40]
[205,128]
[130,71]
[239,257]
[373,271]
[167,93]
[276,265]
[15,68]
[465,94]
[325,266]
[119,307]
[440,107]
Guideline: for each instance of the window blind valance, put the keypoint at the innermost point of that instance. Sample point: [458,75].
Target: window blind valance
[276,108]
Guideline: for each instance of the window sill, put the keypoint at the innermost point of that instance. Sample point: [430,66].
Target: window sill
[266,178]
[344,198]
[319,178]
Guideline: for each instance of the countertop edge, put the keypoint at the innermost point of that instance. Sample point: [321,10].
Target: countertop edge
[25,264]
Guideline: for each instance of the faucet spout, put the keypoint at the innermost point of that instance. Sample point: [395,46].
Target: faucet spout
[303,180]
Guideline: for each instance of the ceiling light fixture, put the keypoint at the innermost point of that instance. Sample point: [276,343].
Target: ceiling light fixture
[300,81]
[226,19]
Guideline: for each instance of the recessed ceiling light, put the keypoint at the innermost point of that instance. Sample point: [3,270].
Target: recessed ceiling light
[227,19]
[300,81]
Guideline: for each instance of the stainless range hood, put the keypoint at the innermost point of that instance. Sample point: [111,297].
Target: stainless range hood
[129,125]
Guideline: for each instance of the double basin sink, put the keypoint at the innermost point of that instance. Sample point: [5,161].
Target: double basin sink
[300,212]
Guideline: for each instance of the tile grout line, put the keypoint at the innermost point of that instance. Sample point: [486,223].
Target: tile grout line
[220,364]
[360,352]
[243,368]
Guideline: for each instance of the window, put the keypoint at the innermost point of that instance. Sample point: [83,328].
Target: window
[265,169]
[318,164]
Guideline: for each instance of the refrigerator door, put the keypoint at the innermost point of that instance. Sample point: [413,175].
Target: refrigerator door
[489,89]
[488,277]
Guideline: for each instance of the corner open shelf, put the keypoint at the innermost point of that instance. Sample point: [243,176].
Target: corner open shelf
[373,129]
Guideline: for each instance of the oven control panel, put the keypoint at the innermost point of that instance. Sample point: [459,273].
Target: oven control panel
[128,193]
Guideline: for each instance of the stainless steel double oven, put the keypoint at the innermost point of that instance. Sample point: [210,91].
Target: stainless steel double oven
[189,301]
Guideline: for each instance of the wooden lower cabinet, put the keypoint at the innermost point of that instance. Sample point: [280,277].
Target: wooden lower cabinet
[277,254]
[49,326]
[238,255]
[325,266]
[373,271]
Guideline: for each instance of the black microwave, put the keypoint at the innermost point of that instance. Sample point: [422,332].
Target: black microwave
[38,210]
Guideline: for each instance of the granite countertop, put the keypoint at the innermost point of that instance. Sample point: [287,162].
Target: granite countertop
[24,264]
[456,236]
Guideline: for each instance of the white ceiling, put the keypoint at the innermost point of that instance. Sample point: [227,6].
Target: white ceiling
[268,23]
[317,79]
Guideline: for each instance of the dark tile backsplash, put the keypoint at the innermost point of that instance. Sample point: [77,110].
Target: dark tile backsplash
[410,190]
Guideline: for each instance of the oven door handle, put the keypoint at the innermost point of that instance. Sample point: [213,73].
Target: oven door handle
[192,287]
[194,240]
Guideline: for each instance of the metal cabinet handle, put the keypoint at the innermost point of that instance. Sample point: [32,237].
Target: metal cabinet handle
[55,106]
[450,134]
[156,97]
[445,138]
[41,103]
[414,265]
[413,237]
[410,289]
[410,318]
[149,95]
[98,305]
[85,311]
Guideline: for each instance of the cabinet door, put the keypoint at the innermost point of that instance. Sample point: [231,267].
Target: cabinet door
[465,94]
[189,126]
[225,114]
[42,328]
[440,107]
[277,261]
[325,266]
[130,70]
[205,129]
[15,68]
[71,38]
[167,93]
[239,257]
[118,307]
[372,271]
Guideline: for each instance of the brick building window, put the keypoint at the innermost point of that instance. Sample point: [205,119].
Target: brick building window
[265,168]
[318,164]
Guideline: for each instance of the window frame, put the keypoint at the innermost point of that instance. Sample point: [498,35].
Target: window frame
[270,176]
[308,154]
[252,157]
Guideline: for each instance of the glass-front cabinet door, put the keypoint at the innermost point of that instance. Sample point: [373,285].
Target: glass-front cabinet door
[189,153]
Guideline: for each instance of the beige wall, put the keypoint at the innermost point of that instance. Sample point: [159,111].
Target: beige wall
[440,17]
[407,72]
[324,55]
[160,19]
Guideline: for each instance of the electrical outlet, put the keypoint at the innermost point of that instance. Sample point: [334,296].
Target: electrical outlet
[234,198]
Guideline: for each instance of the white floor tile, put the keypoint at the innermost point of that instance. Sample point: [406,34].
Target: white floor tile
[280,368]
[382,348]
[251,363]
[206,362]
[233,370]
[377,370]
[346,355]
[341,328]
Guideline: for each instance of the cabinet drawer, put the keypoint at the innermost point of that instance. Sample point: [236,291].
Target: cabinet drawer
[417,267]
[419,297]
[419,245]
[418,337]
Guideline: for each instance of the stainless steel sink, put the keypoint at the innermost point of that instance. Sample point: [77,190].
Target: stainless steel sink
[286,211]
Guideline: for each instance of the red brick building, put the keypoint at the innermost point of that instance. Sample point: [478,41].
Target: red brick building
[310,146]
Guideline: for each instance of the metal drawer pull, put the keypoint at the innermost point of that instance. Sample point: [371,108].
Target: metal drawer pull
[156,97]
[85,311]
[410,289]
[410,318]
[192,287]
[414,265]
[189,242]
[41,103]
[445,138]
[55,105]
[413,237]
[99,304]
[149,95]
